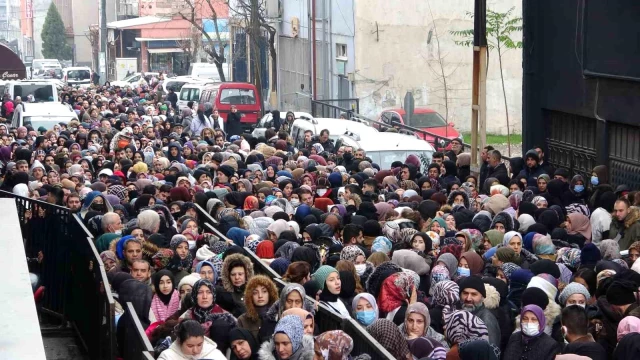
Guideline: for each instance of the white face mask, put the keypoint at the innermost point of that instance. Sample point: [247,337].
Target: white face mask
[321,192]
[295,202]
[530,329]
[192,244]
[361,268]
[118,232]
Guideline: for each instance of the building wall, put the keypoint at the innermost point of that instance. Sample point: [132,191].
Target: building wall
[394,55]
[40,8]
[66,13]
[85,14]
[338,16]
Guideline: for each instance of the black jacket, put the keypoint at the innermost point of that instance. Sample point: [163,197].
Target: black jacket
[233,126]
[173,99]
[499,172]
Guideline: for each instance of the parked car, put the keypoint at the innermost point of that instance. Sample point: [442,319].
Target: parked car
[77,76]
[386,147]
[44,114]
[425,119]
[336,127]
[132,80]
[267,122]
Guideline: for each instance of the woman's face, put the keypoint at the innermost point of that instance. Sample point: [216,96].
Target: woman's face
[363,305]
[455,187]
[499,227]
[260,296]
[192,226]
[577,299]
[426,185]
[418,243]
[205,297]
[139,235]
[307,181]
[486,244]
[516,244]
[287,190]
[270,172]
[206,272]
[109,264]
[451,222]
[241,187]
[278,194]
[529,318]
[333,283]
[415,325]
[458,200]
[294,300]
[463,263]
[360,259]
[284,347]
[241,348]
[192,346]
[137,157]
[542,185]
[182,250]
[436,227]
[165,285]
[238,277]
[634,255]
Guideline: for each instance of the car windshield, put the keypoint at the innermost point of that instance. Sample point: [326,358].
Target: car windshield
[48,122]
[427,120]
[237,96]
[386,158]
[190,94]
[78,75]
[40,92]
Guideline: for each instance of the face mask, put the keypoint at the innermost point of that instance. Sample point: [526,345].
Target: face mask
[361,268]
[366,317]
[321,192]
[192,244]
[464,272]
[578,188]
[594,180]
[118,232]
[97,207]
[295,202]
[176,215]
[341,200]
[530,329]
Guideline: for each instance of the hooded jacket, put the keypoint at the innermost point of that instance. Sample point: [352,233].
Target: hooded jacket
[629,229]
[231,298]
[209,351]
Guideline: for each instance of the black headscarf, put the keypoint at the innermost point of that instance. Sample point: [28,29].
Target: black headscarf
[306,254]
[156,283]
[244,334]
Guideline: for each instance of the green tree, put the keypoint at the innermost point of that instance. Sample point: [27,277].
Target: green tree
[500,26]
[54,44]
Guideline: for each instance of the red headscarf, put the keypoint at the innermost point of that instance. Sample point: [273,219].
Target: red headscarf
[322,204]
[395,291]
[251,203]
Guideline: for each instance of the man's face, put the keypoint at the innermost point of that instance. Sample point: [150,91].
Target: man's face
[456,145]
[216,114]
[324,137]
[620,210]
[359,155]
[140,271]
[116,226]
[540,153]
[437,161]
[405,174]
[307,199]
[133,251]
[493,161]
[74,204]
[484,155]
[366,188]
[149,133]
[433,173]
[222,178]
[531,162]
[220,141]
[470,298]
[23,167]
[307,137]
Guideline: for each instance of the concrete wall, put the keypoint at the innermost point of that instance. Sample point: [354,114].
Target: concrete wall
[339,30]
[85,14]
[40,8]
[399,57]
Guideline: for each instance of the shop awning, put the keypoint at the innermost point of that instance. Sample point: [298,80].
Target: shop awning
[11,67]
[136,22]
[164,51]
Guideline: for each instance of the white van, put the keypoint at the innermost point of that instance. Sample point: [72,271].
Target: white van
[77,76]
[46,115]
[41,90]
[208,71]
[386,147]
[41,64]
[192,92]
[336,127]
[266,122]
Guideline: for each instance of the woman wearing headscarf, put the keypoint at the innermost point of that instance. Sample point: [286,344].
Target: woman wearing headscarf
[166,300]
[578,227]
[417,324]
[259,295]
[181,262]
[243,345]
[365,309]
[209,314]
[335,344]
[390,338]
[292,296]
[291,342]
[531,341]
[396,293]
[237,270]
[461,326]
[327,279]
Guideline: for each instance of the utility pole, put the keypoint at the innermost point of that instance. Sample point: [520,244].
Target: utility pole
[479,86]
[102,57]
[255,58]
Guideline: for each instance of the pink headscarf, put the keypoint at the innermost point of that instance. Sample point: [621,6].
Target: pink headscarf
[629,324]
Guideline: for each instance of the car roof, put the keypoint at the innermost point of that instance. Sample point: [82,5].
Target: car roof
[393,141]
[236,85]
[77,68]
[417,110]
[337,126]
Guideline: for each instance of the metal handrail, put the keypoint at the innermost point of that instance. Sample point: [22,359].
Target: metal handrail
[142,341]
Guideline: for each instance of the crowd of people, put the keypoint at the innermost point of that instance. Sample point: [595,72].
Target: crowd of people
[520,262]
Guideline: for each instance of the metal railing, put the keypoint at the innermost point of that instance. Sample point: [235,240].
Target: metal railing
[77,290]
[139,348]
[325,108]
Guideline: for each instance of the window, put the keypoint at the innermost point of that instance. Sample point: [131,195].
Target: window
[341,51]
[237,96]
[190,94]
[40,92]
[78,75]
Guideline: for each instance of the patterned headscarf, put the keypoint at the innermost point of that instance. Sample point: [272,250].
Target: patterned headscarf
[569,257]
[462,325]
[350,253]
[439,273]
[390,337]
[381,244]
[286,250]
[177,264]
[201,314]
[335,345]
[395,290]
[446,293]
[508,269]
[292,326]
[392,231]
[476,238]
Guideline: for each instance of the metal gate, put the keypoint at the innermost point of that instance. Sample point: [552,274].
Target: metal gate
[624,155]
[571,142]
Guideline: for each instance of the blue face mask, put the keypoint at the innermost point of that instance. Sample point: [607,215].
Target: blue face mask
[366,317]
[594,180]
[578,188]
[464,272]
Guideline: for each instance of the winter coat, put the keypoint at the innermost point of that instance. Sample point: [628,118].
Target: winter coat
[607,336]
[586,346]
[499,172]
[600,224]
[305,352]
[492,324]
[532,175]
[253,326]
[629,229]
[233,125]
[209,351]
[229,297]
[542,347]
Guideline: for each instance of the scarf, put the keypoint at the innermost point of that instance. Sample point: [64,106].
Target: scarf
[156,284]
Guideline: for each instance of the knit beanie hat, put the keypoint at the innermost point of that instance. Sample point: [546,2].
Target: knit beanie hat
[535,296]
[265,249]
[506,254]
[227,170]
[544,285]
[189,280]
[589,256]
[371,228]
[621,292]
[545,266]
[521,276]
[571,289]
[473,282]
[321,275]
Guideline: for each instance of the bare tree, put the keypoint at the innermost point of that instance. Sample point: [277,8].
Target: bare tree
[190,13]
[93,35]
